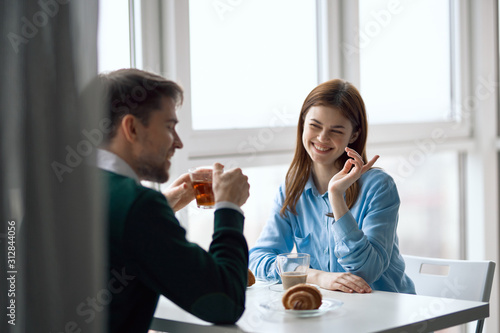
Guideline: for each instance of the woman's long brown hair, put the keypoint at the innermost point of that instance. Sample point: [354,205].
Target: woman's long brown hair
[344,97]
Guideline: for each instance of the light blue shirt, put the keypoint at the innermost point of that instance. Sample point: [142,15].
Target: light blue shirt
[363,241]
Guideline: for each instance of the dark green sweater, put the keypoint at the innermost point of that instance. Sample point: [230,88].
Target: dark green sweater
[149,255]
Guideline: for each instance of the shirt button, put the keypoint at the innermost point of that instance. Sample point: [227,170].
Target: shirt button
[326,251]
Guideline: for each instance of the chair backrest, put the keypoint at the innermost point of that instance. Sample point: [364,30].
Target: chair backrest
[458,279]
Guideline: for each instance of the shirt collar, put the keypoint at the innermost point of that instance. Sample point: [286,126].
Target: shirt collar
[109,161]
[310,186]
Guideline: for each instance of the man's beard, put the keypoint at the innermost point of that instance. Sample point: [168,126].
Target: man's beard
[147,170]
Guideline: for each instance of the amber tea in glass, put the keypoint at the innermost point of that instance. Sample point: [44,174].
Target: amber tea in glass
[201,177]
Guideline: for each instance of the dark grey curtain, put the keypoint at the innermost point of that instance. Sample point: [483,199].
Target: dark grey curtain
[50,198]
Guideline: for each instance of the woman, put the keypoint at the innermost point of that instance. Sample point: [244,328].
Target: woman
[333,205]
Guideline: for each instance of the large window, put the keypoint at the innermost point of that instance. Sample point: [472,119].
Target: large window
[246,67]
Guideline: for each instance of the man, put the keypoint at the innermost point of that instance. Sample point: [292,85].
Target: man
[148,252]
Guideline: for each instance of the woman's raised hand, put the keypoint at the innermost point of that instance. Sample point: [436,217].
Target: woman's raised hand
[352,170]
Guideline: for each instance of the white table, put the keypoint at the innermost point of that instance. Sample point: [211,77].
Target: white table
[360,313]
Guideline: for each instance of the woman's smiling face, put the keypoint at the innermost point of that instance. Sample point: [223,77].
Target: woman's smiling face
[326,134]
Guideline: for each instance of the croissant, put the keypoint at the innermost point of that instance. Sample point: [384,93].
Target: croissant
[251,278]
[302,297]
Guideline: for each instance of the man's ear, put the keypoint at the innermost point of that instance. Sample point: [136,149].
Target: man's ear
[354,136]
[128,126]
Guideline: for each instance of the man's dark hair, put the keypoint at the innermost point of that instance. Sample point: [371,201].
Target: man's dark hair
[136,92]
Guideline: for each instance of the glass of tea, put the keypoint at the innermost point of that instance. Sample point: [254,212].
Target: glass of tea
[292,267]
[201,177]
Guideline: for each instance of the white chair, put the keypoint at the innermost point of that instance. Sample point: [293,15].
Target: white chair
[458,279]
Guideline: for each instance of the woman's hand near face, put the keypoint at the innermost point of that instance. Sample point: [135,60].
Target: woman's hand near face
[346,282]
[353,169]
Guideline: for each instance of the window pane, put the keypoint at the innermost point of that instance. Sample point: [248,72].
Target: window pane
[429,212]
[405,62]
[249,58]
[113,35]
